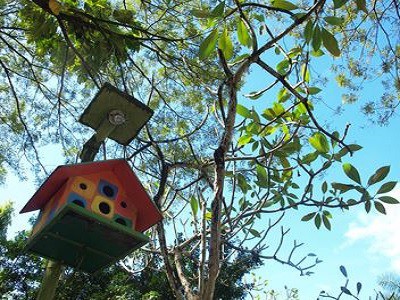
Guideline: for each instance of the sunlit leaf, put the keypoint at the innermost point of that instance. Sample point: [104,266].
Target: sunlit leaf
[244,140]
[351,172]
[326,222]
[284,5]
[208,45]
[243,33]
[194,204]
[319,142]
[243,111]
[225,44]
[313,90]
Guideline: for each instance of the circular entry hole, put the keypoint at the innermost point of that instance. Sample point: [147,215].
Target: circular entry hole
[123,204]
[83,186]
[104,208]
[79,203]
[108,191]
[120,221]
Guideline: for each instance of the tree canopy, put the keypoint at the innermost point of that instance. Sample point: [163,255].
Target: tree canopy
[222,168]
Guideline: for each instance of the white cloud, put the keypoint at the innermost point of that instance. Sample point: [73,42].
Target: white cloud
[381,232]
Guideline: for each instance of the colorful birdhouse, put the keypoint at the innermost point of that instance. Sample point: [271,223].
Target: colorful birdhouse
[91,214]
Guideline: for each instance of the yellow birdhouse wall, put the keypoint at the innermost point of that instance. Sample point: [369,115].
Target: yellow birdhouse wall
[100,193]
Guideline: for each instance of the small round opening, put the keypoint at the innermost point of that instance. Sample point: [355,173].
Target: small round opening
[123,204]
[104,208]
[83,186]
[108,191]
[120,221]
[78,202]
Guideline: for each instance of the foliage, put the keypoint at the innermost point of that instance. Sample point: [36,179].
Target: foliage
[220,167]
[21,274]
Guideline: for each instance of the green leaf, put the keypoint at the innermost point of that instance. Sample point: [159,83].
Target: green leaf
[243,33]
[208,45]
[317,53]
[305,73]
[254,232]
[283,66]
[379,207]
[200,13]
[330,42]
[362,5]
[334,20]
[317,221]
[379,175]
[308,217]
[344,151]
[278,108]
[342,187]
[261,173]
[326,221]
[243,111]
[244,140]
[284,5]
[308,31]
[339,3]
[208,215]
[218,11]
[387,187]
[309,158]
[225,44]
[283,95]
[194,204]
[351,172]
[368,206]
[316,39]
[123,15]
[389,200]
[313,90]
[319,142]
[324,187]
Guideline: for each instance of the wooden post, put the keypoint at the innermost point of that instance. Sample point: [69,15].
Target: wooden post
[55,268]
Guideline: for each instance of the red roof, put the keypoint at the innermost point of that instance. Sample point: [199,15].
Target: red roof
[148,214]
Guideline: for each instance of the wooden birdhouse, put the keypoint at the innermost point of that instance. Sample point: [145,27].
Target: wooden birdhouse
[91,214]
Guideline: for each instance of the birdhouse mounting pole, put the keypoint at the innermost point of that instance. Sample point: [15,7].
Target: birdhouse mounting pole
[54,269]
[101,115]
